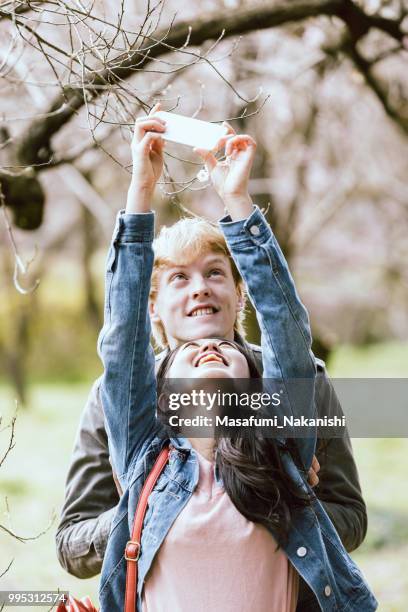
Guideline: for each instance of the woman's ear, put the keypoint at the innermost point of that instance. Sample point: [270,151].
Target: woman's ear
[162,403]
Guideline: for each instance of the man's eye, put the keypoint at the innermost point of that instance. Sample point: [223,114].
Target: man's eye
[178,276]
[215,272]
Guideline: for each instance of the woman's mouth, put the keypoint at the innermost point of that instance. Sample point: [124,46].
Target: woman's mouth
[210,357]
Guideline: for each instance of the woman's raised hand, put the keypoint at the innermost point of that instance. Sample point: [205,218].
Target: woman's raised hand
[147,157]
[231,176]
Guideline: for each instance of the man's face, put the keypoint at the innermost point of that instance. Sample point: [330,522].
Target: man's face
[197,300]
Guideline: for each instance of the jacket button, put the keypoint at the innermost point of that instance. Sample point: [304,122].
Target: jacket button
[301,551]
[255,231]
[327,590]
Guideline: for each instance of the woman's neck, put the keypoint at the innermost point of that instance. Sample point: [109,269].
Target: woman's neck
[204,446]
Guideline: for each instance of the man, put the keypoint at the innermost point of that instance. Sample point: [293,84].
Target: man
[196,293]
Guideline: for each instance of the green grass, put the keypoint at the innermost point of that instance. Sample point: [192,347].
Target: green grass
[32,477]
[375,360]
[37,465]
[383,469]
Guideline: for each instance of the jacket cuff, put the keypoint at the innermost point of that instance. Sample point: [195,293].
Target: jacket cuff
[102,531]
[133,227]
[246,232]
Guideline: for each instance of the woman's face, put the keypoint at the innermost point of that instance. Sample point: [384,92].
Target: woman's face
[208,358]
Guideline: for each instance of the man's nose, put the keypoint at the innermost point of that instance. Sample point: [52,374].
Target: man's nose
[200,288]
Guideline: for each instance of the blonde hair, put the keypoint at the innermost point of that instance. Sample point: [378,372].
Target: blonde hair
[181,243]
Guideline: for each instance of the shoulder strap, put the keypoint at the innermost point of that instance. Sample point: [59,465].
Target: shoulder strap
[132,551]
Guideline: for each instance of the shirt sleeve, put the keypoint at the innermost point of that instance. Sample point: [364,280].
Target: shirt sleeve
[339,487]
[90,496]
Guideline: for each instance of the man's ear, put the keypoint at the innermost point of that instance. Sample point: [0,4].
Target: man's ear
[240,301]
[154,317]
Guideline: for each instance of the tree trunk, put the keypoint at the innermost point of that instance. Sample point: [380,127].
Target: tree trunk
[88,249]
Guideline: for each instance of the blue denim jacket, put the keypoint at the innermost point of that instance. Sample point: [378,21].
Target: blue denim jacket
[128,393]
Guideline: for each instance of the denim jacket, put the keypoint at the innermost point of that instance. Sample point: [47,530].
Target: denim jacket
[128,394]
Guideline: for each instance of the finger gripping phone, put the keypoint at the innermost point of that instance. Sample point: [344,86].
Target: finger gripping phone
[191,132]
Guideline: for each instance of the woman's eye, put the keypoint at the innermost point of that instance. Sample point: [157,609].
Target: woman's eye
[190,344]
[215,272]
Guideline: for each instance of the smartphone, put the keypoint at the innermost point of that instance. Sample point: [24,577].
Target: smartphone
[191,132]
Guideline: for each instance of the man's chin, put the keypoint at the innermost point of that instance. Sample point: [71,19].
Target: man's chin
[203,327]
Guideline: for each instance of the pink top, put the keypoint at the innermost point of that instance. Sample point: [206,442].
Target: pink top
[213,559]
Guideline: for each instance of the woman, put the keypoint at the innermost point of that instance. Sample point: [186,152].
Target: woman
[219,509]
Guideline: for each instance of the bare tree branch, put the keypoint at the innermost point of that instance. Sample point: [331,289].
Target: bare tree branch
[5,572]
[365,68]
[39,133]
[11,443]
[9,9]
[359,23]
[66,104]
[19,267]
[102,90]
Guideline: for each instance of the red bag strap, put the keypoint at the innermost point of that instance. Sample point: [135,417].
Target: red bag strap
[132,551]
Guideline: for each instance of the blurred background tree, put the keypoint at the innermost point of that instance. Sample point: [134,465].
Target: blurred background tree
[322,86]
[319,83]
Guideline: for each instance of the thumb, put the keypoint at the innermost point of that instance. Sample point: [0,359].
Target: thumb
[155,108]
[149,140]
[208,158]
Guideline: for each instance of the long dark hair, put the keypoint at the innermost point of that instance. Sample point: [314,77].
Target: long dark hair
[251,469]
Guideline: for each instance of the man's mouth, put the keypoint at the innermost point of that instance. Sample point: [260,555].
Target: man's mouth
[201,311]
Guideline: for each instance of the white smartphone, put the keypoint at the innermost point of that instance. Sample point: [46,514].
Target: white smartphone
[191,132]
